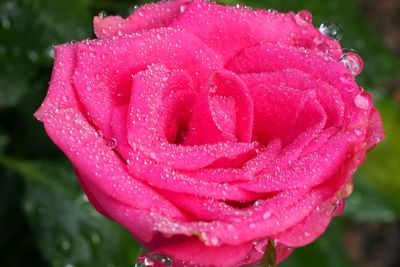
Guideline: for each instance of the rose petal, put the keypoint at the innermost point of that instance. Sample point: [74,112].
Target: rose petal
[165,177]
[195,251]
[222,112]
[94,160]
[309,229]
[229,29]
[146,17]
[327,95]
[60,94]
[309,170]
[104,68]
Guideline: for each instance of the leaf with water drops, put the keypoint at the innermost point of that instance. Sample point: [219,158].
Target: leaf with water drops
[69,232]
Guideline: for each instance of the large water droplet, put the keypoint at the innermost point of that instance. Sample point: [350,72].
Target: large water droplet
[112,143]
[303,17]
[5,22]
[332,30]
[338,207]
[153,260]
[102,14]
[266,215]
[32,55]
[96,239]
[362,102]
[352,61]
[183,7]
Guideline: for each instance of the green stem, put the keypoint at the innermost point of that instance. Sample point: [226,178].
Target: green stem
[269,258]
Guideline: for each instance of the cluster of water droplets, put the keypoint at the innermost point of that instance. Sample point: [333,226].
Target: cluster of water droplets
[349,58]
[153,260]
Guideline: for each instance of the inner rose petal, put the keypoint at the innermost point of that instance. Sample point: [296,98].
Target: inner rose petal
[157,93]
[223,111]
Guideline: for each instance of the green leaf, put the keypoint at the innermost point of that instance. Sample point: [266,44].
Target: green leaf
[28,30]
[68,230]
[327,251]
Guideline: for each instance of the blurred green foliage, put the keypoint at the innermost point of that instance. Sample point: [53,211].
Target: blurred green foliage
[44,218]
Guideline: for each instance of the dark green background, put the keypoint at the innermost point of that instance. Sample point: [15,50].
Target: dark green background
[45,220]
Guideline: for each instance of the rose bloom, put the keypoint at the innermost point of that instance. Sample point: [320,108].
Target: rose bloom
[210,131]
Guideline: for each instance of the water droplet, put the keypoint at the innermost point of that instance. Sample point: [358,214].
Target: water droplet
[99,133]
[352,61]
[303,17]
[252,226]
[112,143]
[102,14]
[153,260]
[66,245]
[332,30]
[307,234]
[184,6]
[50,52]
[358,132]
[323,47]
[95,238]
[266,215]
[214,241]
[346,79]
[32,55]
[338,207]
[5,22]
[361,102]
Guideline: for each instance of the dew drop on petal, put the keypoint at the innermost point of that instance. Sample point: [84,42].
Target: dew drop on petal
[214,241]
[102,14]
[362,102]
[346,79]
[184,6]
[303,17]
[352,61]
[112,143]
[358,132]
[332,30]
[338,207]
[266,215]
[153,260]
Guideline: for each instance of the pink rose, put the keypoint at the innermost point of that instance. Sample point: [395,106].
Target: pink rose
[207,130]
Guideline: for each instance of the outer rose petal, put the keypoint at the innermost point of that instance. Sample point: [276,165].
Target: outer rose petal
[144,18]
[195,251]
[230,29]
